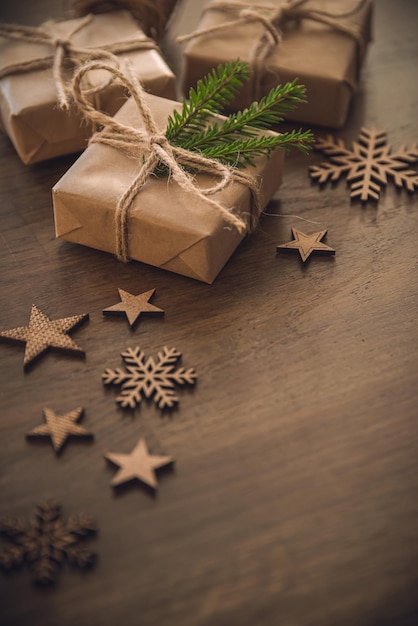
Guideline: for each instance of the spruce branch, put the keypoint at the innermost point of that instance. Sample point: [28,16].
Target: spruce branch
[243,151]
[213,93]
[236,140]
[269,111]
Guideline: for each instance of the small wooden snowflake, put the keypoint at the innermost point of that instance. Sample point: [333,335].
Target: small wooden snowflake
[367,165]
[148,378]
[46,542]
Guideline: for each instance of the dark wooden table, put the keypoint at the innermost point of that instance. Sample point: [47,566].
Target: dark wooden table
[294,498]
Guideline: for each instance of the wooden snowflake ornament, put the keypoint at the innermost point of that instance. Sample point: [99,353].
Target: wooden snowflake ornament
[60,427]
[367,165]
[134,306]
[138,465]
[46,542]
[42,334]
[306,244]
[149,378]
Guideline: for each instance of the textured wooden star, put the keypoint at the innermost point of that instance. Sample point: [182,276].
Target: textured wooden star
[60,427]
[138,464]
[134,306]
[43,333]
[306,244]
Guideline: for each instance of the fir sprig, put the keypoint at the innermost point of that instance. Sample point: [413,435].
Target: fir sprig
[236,140]
[213,94]
[239,152]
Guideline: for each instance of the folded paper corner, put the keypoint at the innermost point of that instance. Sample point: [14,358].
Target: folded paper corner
[65,221]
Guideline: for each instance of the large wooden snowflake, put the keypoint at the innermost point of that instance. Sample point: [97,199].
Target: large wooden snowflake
[46,542]
[367,165]
[149,378]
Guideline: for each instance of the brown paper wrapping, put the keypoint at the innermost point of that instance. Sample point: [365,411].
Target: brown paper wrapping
[168,228]
[29,113]
[152,15]
[326,61]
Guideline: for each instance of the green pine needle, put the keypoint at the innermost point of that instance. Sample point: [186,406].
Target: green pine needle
[242,151]
[236,140]
[213,94]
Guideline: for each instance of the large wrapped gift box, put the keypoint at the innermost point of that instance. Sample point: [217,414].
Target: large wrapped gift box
[167,226]
[324,58]
[29,112]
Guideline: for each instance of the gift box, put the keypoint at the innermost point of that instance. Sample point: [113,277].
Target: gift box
[29,111]
[322,43]
[152,15]
[168,227]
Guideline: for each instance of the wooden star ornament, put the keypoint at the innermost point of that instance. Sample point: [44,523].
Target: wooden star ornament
[306,244]
[139,464]
[60,427]
[134,306]
[43,333]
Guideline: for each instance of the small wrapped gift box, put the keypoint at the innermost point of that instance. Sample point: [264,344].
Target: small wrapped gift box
[167,226]
[320,42]
[29,86]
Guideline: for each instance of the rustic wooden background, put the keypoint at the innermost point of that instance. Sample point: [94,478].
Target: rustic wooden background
[294,499]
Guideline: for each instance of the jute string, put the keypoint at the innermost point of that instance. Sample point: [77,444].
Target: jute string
[63,49]
[245,12]
[274,26]
[151,146]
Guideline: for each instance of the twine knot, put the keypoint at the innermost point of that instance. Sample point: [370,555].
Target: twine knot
[159,140]
[61,42]
[158,149]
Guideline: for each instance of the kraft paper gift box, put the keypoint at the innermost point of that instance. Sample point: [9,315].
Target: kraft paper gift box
[323,58]
[29,112]
[167,226]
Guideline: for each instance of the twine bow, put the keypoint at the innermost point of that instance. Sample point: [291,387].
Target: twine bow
[153,147]
[62,50]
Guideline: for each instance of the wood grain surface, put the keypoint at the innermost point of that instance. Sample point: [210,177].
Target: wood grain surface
[294,497]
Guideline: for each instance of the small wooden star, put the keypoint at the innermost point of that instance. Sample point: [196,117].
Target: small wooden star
[306,244]
[134,306]
[138,464]
[43,333]
[60,427]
